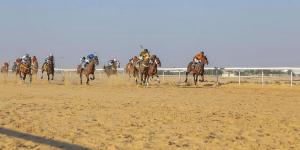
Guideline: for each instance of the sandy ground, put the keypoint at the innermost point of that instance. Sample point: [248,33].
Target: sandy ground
[116,114]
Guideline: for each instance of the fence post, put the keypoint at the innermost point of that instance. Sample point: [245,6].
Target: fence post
[239,77]
[179,75]
[163,75]
[291,78]
[217,75]
[262,77]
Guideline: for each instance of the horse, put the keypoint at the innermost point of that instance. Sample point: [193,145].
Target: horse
[88,70]
[113,69]
[16,66]
[153,65]
[130,68]
[4,68]
[35,65]
[25,69]
[49,68]
[141,70]
[196,69]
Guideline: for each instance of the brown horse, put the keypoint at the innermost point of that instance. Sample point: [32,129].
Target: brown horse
[153,65]
[49,68]
[25,69]
[113,69]
[130,68]
[35,65]
[4,68]
[88,70]
[16,66]
[142,68]
[196,69]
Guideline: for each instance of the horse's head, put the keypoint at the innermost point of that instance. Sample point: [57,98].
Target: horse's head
[18,60]
[157,61]
[118,64]
[96,60]
[34,59]
[205,60]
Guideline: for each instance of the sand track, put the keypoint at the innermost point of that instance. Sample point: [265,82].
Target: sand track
[116,114]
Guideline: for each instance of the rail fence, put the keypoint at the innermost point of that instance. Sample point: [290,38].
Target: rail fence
[284,75]
[280,75]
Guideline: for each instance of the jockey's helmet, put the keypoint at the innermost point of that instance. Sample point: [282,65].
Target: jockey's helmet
[26,55]
[146,50]
[50,54]
[114,59]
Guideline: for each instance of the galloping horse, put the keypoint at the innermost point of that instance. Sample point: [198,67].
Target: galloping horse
[88,70]
[4,68]
[142,68]
[35,65]
[112,70]
[16,66]
[153,65]
[130,67]
[196,69]
[49,68]
[25,69]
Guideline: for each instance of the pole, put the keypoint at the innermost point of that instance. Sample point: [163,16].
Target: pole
[179,75]
[262,77]
[163,75]
[239,77]
[291,78]
[217,76]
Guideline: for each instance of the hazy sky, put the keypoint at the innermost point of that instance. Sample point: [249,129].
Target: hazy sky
[233,32]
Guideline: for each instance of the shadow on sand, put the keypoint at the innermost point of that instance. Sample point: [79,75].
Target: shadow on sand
[41,140]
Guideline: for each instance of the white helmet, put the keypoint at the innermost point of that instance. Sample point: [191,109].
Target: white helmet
[114,59]
[51,54]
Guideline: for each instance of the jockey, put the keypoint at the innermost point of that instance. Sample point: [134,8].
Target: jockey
[112,61]
[90,57]
[145,54]
[25,58]
[49,58]
[83,62]
[197,58]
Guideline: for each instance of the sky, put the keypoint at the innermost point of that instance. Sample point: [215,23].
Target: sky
[233,33]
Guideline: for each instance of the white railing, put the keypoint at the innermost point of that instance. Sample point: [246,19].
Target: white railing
[178,72]
[235,69]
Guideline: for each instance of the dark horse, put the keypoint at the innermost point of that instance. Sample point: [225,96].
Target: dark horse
[88,70]
[34,65]
[130,68]
[25,69]
[197,69]
[16,66]
[153,65]
[141,70]
[4,68]
[49,68]
[113,69]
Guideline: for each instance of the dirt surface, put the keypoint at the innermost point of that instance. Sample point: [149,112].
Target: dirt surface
[117,114]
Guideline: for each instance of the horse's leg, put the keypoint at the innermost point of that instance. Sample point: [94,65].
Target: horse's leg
[42,74]
[80,78]
[52,76]
[196,79]
[24,77]
[158,80]
[30,78]
[202,77]
[87,79]
[186,76]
